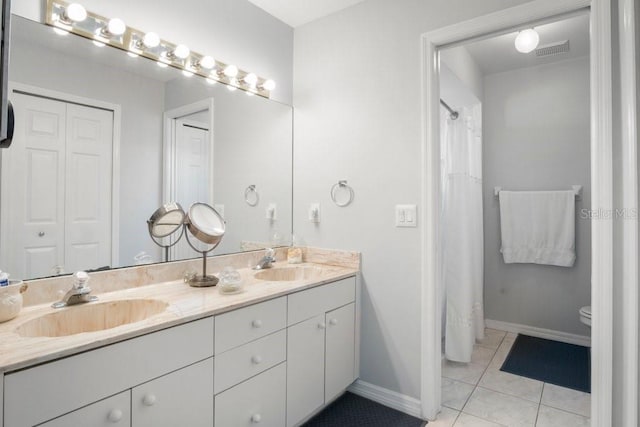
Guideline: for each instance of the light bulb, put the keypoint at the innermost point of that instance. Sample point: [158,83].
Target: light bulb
[151,40]
[116,27]
[527,40]
[251,79]
[181,51]
[269,85]
[207,62]
[231,71]
[76,12]
[60,31]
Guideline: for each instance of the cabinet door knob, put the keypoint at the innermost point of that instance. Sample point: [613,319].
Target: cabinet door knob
[41,234]
[256,323]
[149,399]
[333,322]
[256,418]
[322,325]
[115,415]
[256,360]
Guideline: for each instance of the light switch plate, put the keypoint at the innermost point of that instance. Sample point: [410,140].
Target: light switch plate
[271,212]
[406,216]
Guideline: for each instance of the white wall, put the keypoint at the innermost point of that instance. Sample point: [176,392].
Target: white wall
[234,31]
[462,64]
[142,104]
[358,117]
[536,134]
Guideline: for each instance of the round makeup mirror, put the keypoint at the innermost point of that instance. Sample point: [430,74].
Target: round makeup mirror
[206,225]
[166,220]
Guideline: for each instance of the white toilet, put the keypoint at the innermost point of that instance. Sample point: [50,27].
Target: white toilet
[585,315]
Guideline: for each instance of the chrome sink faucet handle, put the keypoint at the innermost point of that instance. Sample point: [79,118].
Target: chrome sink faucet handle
[79,292]
[266,260]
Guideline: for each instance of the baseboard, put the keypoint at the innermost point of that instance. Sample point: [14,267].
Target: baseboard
[539,332]
[392,399]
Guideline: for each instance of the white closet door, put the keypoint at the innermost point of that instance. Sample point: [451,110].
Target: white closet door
[88,180]
[33,182]
[192,174]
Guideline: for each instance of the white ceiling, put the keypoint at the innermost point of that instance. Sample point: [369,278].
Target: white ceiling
[300,12]
[498,54]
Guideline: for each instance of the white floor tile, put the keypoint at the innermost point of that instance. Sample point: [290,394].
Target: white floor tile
[514,385]
[482,355]
[469,373]
[551,417]
[501,408]
[503,351]
[466,420]
[446,418]
[455,393]
[492,338]
[566,399]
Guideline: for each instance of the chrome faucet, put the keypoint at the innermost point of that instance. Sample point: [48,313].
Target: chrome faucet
[266,260]
[79,292]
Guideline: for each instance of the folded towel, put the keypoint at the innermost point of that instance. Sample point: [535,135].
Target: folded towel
[538,227]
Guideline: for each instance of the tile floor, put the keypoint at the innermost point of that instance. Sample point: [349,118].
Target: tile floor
[478,394]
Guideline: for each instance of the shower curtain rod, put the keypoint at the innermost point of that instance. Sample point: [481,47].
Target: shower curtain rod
[454,114]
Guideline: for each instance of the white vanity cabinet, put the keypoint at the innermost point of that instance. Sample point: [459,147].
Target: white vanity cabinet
[113,411]
[48,391]
[183,397]
[320,347]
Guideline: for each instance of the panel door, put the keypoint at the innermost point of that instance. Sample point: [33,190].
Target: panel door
[114,411]
[89,193]
[340,350]
[305,368]
[33,189]
[193,182]
[181,398]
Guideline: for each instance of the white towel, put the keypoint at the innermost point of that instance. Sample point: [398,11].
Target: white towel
[538,227]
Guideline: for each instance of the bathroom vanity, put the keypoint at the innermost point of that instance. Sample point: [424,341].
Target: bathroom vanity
[271,355]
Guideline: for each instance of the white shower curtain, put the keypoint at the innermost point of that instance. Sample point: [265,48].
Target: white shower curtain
[462,255]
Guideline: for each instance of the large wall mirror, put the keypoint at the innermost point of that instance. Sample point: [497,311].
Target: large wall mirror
[103,139]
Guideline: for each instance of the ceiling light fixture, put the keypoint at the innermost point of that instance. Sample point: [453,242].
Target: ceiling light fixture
[527,40]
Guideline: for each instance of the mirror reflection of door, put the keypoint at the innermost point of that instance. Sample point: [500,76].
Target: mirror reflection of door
[56,182]
[193,184]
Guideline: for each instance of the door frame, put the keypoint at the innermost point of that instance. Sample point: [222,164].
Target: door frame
[601,182]
[115,159]
[169,146]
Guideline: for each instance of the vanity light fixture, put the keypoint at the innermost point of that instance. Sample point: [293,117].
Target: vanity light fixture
[187,73]
[60,31]
[74,18]
[98,43]
[527,40]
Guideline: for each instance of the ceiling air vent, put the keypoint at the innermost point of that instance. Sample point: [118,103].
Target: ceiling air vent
[553,49]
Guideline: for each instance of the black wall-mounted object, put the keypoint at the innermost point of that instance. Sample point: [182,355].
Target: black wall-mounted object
[6,111]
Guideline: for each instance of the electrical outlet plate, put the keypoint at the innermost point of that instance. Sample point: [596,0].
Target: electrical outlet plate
[406,216]
[314,212]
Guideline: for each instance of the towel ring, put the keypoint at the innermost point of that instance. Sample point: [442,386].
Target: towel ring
[342,184]
[251,195]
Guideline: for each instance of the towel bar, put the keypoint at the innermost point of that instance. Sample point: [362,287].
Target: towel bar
[576,189]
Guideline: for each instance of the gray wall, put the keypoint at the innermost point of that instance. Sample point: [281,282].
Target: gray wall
[536,136]
[358,117]
[142,103]
[252,145]
[234,31]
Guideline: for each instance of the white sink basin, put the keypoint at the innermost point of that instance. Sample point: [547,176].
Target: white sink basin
[90,317]
[288,274]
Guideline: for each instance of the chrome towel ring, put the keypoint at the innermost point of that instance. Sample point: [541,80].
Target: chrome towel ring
[342,186]
[251,195]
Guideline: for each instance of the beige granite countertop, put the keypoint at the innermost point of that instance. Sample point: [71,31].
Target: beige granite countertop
[185,304]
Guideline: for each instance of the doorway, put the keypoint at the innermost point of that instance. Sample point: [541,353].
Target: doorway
[601,154]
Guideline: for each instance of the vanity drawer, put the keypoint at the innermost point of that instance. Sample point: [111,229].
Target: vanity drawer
[62,386]
[114,411]
[248,360]
[306,304]
[258,400]
[250,323]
